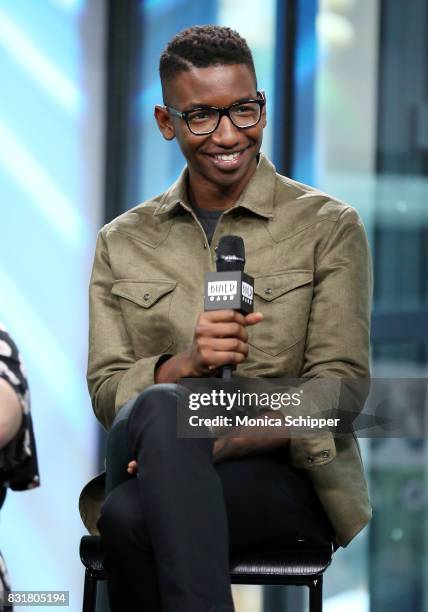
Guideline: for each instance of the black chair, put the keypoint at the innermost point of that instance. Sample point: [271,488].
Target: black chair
[302,563]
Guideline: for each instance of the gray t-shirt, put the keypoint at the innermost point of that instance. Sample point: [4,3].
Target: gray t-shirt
[208,219]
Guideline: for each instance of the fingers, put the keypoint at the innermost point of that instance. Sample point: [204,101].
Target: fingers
[231,316]
[211,360]
[216,352]
[225,316]
[220,338]
[226,324]
[222,358]
[132,467]
[253,318]
[220,351]
[221,330]
[233,345]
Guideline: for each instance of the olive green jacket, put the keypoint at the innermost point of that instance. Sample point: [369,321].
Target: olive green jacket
[309,256]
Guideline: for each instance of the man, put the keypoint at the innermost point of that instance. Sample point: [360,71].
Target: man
[168,533]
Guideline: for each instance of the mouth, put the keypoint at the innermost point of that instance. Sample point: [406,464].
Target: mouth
[226,161]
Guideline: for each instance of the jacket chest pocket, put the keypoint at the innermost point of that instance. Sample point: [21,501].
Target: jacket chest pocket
[285,301]
[146,311]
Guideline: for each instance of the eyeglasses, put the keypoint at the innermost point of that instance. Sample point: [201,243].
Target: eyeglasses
[205,119]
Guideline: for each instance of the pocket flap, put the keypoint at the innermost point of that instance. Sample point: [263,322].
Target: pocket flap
[145,293]
[271,287]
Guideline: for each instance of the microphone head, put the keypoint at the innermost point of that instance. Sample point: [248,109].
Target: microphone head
[230,254]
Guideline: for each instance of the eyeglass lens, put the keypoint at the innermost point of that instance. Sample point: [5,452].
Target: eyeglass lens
[205,120]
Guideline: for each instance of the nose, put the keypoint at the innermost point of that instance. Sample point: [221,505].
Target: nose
[226,133]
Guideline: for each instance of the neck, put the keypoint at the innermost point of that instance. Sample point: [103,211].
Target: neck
[211,196]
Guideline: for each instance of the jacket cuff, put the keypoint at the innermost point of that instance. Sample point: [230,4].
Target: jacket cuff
[162,360]
[311,452]
[136,379]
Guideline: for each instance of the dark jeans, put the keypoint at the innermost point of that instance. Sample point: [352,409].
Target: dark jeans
[168,534]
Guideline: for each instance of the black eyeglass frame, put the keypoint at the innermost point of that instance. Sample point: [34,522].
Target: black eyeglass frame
[222,111]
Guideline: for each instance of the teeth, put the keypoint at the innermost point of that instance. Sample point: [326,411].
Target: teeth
[225,157]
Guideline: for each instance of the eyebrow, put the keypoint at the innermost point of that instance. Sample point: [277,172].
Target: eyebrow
[196,105]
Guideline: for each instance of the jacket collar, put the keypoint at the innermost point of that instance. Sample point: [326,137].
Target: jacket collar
[258,196]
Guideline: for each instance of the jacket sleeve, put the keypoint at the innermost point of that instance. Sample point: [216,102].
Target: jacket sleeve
[114,374]
[338,336]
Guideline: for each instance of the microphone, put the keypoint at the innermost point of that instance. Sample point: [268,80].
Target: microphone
[230,254]
[230,286]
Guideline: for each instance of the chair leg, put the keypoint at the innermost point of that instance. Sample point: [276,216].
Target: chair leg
[89,593]
[315,595]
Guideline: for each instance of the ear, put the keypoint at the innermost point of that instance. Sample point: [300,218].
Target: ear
[263,118]
[164,121]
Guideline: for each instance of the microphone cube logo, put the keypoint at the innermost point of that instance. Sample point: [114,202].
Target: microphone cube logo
[247,292]
[222,290]
[231,290]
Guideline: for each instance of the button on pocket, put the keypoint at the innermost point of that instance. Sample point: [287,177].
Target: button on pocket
[145,306]
[285,300]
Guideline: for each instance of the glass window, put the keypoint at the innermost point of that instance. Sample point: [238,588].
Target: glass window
[371,151]
[51,167]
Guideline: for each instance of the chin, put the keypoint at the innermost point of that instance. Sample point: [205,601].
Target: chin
[228,177]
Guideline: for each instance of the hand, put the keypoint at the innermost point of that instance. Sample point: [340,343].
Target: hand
[132,468]
[220,338]
[220,449]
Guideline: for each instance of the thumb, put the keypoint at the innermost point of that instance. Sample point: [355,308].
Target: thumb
[253,318]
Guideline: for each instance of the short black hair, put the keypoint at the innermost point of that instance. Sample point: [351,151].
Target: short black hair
[202,46]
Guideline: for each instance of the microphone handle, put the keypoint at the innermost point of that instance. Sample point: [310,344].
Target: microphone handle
[226,372]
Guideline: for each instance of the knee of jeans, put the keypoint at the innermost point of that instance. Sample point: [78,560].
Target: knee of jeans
[165,393]
[153,419]
[157,402]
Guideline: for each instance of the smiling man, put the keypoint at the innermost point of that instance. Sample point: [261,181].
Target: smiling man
[168,533]
[220,146]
